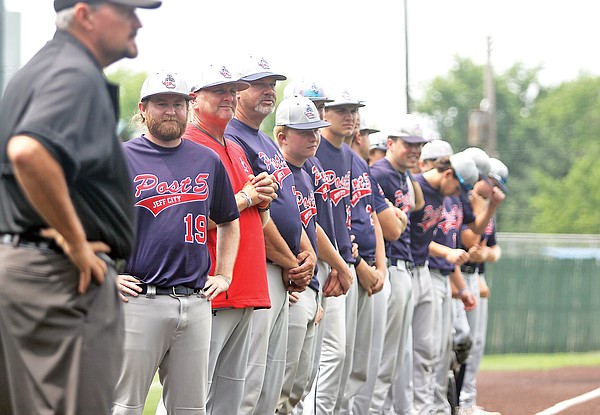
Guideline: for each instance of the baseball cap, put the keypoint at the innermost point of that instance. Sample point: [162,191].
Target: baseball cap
[435,149]
[364,128]
[406,136]
[213,75]
[257,67]
[465,170]
[498,173]
[144,4]
[310,90]
[482,161]
[379,142]
[343,97]
[299,113]
[164,83]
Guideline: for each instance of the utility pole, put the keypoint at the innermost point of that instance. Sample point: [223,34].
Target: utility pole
[490,95]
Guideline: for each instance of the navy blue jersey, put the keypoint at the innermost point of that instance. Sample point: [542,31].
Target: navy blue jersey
[264,155]
[489,235]
[363,203]
[305,198]
[337,164]
[395,188]
[321,189]
[447,232]
[425,221]
[176,191]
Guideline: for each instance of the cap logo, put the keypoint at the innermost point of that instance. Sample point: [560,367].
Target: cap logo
[309,113]
[264,64]
[346,95]
[169,82]
[225,73]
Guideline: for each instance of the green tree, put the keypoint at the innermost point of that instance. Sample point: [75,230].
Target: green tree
[566,127]
[130,83]
[449,100]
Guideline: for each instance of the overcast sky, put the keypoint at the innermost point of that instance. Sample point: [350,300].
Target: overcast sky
[356,45]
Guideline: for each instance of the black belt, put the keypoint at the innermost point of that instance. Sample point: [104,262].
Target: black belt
[177,291]
[29,240]
[469,269]
[409,265]
[444,272]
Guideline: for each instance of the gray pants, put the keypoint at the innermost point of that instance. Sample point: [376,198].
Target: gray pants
[171,334]
[423,332]
[228,360]
[477,319]
[60,351]
[268,345]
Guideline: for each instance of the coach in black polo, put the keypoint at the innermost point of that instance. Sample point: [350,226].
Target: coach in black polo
[65,210]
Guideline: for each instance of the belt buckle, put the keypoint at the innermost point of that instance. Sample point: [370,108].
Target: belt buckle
[176,294]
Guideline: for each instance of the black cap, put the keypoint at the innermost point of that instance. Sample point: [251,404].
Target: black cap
[144,4]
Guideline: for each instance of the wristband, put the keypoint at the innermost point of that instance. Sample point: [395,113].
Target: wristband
[462,290]
[263,209]
[357,261]
[246,197]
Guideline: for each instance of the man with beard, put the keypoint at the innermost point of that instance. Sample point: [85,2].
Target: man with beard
[290,257]
[179,186]
[65,207]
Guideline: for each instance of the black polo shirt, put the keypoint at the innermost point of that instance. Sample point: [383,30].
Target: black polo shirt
[62,99]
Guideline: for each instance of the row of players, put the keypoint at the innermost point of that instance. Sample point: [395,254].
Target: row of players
[351,311]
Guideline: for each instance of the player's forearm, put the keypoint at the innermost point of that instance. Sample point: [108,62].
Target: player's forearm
[277,248]
[228,239]
[380,259]
[391,225]
[327,251]
[43,181]
[438,250]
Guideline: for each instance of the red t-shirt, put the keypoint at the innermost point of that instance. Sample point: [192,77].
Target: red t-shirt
[249,287]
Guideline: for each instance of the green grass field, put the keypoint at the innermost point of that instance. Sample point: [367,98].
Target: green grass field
[492,362]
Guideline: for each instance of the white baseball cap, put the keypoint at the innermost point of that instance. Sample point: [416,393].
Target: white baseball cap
[498,173]
[299,113]
[164,82]
[465,170]
[482,161]
[364,128]
[406,136]
[213,75]
[379,142]
[343,97]
[435,149]
[310,90]
[257,67]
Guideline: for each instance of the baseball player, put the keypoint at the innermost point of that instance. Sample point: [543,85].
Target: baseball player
[290,257]
[214,100]
[178,187]
[340,326]
[486,250]
[445,257]
[391,172]
[297,133]
[65,206]
[334,275]
[368,206]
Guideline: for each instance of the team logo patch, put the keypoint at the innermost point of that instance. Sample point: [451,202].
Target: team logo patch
[167,194]
[264,64]
[169,82]
[225,73]
[309,113]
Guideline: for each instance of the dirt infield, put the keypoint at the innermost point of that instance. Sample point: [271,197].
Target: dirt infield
[532,391]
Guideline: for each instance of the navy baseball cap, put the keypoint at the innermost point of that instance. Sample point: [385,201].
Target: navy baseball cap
[144,4]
